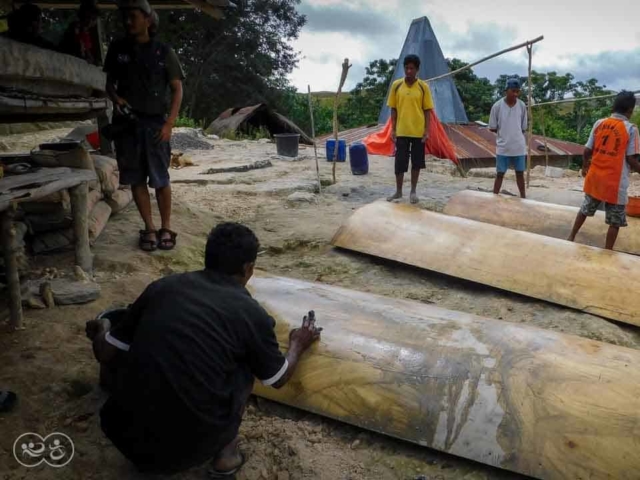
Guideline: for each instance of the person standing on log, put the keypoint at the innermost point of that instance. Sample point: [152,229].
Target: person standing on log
[613,149]
[509,120]
[142,74]
[410,102]
[183,359]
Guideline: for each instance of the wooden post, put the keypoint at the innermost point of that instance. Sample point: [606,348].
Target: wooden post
[530,114]
[544,135]
[343,78]
[79,204]
[8,238]
[313,136]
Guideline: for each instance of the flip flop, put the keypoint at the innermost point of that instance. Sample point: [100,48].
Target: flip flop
[228,473]
[166,243]
[146,244]
[7,400]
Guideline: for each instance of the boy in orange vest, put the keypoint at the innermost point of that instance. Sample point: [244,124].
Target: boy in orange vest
[612,151]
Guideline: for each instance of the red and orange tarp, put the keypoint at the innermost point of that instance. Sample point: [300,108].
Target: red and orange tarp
[439,145]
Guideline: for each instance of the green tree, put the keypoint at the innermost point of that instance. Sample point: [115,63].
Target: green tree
[477,93]
[366,99]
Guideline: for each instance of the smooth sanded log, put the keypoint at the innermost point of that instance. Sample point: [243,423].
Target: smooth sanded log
[547,219]
[533,401]
[585,278]
[8,239]
[84,258]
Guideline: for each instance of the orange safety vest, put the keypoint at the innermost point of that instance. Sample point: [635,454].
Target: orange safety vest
[607,162]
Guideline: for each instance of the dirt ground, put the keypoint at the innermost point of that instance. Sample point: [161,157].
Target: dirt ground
[50,365]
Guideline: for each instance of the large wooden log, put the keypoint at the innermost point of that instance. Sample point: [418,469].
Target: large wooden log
[79,201]
[547,219]
[577,276]
[532,401]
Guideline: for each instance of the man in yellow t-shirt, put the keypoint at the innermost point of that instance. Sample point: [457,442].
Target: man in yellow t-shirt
[410,101]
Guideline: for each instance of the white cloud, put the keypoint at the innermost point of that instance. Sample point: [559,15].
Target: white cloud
[579,39]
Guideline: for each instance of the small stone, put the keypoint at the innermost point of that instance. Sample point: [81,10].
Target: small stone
[283,476]
[80,275]
[315,438]
[355,444]
[264,474]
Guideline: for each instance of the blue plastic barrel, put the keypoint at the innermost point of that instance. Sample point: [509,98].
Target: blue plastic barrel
[358,159]
[342,150]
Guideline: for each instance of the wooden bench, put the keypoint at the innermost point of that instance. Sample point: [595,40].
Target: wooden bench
[28,187]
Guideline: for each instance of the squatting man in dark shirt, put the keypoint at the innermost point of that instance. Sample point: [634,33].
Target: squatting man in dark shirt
[183,357]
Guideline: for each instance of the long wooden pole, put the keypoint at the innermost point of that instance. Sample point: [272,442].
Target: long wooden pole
[8,239]
[482,60]
[343,78]
[313,136]
[530,114]
[79,210]
[544,135]
[581,99]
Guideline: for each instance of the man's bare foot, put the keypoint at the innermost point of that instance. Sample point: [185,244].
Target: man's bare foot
[229,460]
[395,196]
[413,198]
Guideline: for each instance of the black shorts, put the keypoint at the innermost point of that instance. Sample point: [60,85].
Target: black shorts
[409,147]
[141,158]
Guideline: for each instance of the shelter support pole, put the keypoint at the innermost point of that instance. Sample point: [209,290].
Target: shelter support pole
[530,114]
[544,136]
[79,204]
[343,78]
[313,136]
[8,238]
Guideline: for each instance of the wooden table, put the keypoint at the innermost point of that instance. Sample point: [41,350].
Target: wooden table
[28,187]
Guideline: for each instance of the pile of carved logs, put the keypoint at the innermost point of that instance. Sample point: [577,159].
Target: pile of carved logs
[48,221]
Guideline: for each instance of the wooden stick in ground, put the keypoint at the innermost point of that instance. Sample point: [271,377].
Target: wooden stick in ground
[530,114]
[544,135]
[8,238]
[79,204]
[482,60]
[343,78]
[313,137]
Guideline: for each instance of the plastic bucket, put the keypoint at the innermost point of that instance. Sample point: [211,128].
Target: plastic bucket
[633,207]
[287,144]
[330,148]
[358,159]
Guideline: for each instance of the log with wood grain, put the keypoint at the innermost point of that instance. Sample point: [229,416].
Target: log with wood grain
[532,401]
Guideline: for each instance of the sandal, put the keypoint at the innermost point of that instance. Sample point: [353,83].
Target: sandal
[147,244]
[166,243]
[229,473]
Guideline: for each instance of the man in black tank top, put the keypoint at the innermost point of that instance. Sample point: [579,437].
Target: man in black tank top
[144,81]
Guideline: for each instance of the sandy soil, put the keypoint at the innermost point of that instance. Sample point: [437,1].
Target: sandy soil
[51,367]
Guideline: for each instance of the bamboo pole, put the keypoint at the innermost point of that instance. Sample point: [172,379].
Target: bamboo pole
[313,136]
[581,99]
[482,60]
[343,78]
[8,239]
[530,114]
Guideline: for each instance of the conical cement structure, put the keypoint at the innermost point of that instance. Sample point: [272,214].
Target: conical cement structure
[422,41]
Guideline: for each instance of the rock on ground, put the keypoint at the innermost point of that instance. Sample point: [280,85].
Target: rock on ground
[66,291]
[302,197]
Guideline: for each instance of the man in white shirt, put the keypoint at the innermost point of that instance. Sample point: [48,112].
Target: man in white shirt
[509,120]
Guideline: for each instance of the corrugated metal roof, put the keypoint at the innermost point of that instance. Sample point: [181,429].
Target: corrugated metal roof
[476,145]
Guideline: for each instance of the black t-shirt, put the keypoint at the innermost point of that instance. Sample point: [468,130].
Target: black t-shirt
[195,342]
[142,73]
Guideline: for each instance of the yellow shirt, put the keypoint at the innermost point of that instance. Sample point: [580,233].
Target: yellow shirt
[410,102]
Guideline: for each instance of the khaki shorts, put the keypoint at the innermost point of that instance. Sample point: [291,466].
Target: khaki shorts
[615,215]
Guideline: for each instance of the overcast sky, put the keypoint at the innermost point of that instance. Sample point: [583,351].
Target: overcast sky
[599,41]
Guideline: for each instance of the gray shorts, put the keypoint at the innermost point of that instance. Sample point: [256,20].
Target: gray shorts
[615,215]
[141,158]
